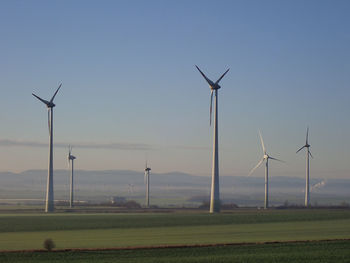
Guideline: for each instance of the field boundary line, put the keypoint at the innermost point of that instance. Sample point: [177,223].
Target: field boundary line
[176,246]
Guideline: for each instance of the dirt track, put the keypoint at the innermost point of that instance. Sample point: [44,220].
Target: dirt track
[173,246]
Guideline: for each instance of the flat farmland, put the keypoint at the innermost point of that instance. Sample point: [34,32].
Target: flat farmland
[311,252]
[28,231]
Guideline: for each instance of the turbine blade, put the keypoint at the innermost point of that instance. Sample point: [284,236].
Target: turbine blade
[54,95]
[259,163]
[307,135]
[300,149]
[211,105]
[204,76]
[217,82]
[310,154]
[262,143]
[145,177]
[48,120]
[68,160]
[276,159]
[42,100]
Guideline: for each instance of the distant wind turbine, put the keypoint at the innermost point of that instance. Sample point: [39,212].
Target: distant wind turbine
[71,159]
[215,192]
[266,158]
[307,183]
[147,181]
[49,206]
[130,188]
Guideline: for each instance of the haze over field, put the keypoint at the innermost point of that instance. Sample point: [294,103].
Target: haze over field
[173,188]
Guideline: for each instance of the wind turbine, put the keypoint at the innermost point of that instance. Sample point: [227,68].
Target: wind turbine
[147,170]
[71,158]
[307,183]
[49,205]
[266,158]
[215,193]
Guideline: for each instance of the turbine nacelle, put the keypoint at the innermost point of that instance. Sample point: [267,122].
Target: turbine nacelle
[213,86]
[70,156]
[265,157]
[307,145]
[50,105]
[147,169]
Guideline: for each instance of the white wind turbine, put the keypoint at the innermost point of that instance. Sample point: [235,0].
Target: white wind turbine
[71,159]
[49,205]
[215,193]
[307,183]
[147,181]
[266,158]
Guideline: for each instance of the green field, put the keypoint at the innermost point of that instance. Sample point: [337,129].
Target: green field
[28,231]
[311,252]
[74,221]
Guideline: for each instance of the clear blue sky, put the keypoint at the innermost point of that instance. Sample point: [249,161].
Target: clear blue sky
[128,75]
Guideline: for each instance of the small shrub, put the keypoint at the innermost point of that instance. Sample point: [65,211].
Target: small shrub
[49,244]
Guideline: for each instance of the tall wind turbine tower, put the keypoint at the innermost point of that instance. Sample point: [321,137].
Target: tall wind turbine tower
[49,205]
[147,171]
[307,183]
[266,158]
[71,159]
[215,193]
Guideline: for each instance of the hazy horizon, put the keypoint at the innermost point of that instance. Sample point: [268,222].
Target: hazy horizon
[168,189]
[259,174]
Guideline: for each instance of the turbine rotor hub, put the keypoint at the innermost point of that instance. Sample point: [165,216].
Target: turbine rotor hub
[215,87]
[51,105]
